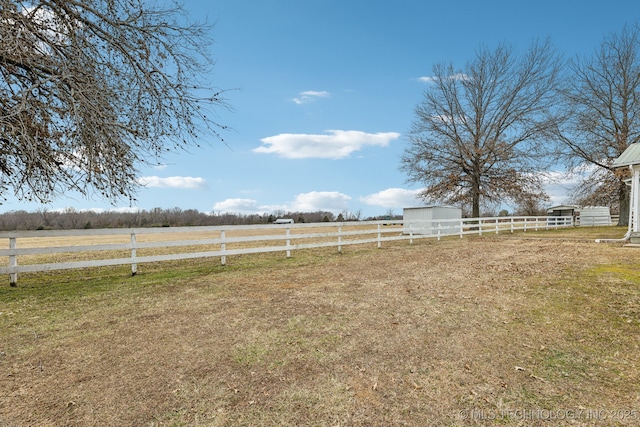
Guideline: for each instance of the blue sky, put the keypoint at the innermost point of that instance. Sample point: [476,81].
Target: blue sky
[323,93]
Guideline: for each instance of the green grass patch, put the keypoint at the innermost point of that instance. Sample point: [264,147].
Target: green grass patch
[587,324]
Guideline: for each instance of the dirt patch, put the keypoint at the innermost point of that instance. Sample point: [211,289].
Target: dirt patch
[454,332]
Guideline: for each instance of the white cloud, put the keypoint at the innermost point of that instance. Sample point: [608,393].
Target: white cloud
[49,29]
[559,177]
[331,201]
[243,206]
[310,96]
[123,209]
[184,182]
[426,79]
[433,79]
[336,144]
[394,198]
[559,184]
[126,209]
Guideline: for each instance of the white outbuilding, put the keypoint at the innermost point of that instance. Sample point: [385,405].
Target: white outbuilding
[429,219]
[283,221]
[563,210]
[595,215]
[630,158]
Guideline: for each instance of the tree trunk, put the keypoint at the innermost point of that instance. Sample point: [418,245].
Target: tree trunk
[475,196]
[475,208]
[623,200]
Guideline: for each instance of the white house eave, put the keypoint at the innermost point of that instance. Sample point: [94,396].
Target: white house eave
[630,157]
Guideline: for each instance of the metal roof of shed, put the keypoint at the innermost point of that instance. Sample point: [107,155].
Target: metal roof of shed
[434,207]
[563,208]
[630,156]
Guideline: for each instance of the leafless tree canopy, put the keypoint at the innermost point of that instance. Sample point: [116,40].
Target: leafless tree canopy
[602,105]
[600,188]
[90,89]
[476,137]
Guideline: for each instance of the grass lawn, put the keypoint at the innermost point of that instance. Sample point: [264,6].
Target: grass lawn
[535,328]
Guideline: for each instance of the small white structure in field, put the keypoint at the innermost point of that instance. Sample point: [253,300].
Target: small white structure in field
[563,210]
[283,221]
[429,219]
[554,214]
[591,216]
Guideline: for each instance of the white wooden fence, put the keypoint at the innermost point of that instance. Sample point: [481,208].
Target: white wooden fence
[60,248]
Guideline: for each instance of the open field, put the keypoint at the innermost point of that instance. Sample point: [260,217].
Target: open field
[505,329]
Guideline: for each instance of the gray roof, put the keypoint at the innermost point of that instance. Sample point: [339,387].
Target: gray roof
[630,156]
[563,207]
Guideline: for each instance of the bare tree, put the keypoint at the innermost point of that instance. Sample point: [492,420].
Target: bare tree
[602,104]
[530,207]
[478,133]
[91,89]
[602,187]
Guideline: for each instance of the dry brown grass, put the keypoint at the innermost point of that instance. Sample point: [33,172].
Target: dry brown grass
[456,332]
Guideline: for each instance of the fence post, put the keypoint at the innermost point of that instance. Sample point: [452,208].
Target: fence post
[223,247]
[497,226]
[288,242]
[339,237]
[13,262]
[439,228]
[134,265]
[411,233]
[379,237]
[512,225]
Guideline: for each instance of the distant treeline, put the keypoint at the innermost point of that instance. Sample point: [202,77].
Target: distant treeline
[44,219]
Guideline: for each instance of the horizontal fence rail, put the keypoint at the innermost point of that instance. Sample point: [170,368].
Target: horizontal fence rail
[46,250]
